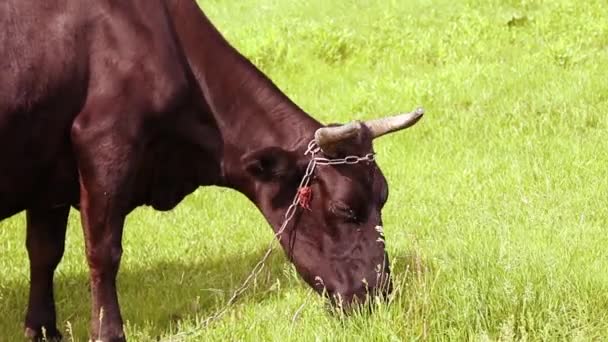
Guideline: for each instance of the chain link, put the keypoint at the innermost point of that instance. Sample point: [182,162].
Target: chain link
[313,149]
[346,160]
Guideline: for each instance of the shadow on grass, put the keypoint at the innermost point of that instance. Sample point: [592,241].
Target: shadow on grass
[155,298]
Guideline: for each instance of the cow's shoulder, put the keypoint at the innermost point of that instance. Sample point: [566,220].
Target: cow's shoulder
[136,59]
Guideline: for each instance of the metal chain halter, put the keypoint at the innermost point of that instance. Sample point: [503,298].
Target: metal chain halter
[312,150]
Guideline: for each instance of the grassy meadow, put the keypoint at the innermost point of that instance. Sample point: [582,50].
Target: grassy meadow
[497,221]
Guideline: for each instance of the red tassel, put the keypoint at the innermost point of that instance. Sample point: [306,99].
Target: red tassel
[305,197]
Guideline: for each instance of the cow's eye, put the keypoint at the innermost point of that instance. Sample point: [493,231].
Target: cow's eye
[343,211]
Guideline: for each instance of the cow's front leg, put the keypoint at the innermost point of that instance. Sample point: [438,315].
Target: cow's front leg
[103,231]
[45,242]
[106,162]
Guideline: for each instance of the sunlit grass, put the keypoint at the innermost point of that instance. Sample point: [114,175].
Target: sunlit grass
[496,221]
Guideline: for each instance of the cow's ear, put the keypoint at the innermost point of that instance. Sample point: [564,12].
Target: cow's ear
[271,163]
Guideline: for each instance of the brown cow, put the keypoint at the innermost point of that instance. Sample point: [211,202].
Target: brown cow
[109,105]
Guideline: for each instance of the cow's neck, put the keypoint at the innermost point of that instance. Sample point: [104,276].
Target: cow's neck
[250,111]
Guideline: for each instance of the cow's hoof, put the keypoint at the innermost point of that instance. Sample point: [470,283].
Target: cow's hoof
[39,335]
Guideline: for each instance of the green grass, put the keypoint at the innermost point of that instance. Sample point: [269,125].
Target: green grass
[496,221]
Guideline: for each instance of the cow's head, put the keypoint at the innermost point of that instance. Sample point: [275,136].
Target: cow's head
[335,237]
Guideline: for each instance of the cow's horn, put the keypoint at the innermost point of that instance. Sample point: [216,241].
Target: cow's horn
[382,126]
[327,137]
